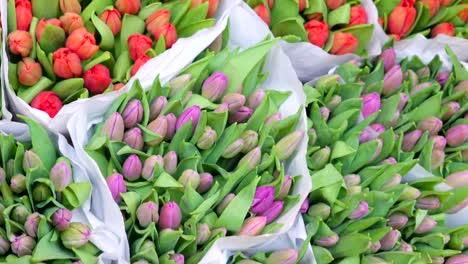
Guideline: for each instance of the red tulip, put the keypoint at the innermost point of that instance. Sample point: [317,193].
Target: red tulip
[72,6]
[20,42]
[43,23]
[344,43]
[48,102]
[112,18]
[318,32]
[212,6]
[23,14]
[67,64]
[334,4]
[407,3]
[443,28]
[445,2]
[433,6]
[138,44]
[83,43]
[170,34]
[271,3]
[157,20]
[401,19]
[97,79]
[463,15]
[302,5]
[138,63]
[71,21]
[128,6]
[358,16]
[29,72]
[263,12]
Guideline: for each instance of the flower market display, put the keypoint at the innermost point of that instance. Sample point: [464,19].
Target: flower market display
[234,132]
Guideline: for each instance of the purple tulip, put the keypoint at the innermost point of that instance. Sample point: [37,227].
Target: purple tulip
[255,99]
[263,199]
[190,177]
[441,78]
[392,80]
[203,233]
[171,121]
[321,210]
[328,241]
[170,216]
[206,181]
[170,162]
[132,168]
[457,135]
[31,224]
[352,180]
[76,235]
[437,158]
[285,187]
[420,87]
[388,56]
[361,210]
[371,104]
[405,247]
[431,124]
[156,106]
[133,113]
[158,127]
[192,113]
[389,240]
[426,225]
[374,247]
[61,219]
[403,100]
[325,112]
[457,208]
[241,116]
[22,245]
[273,119]
[411,139]
[392,182]
[116,185]
[147,213]
[284,256]
[134,138]
[457,179]
[305,206]
[439,143]
[177,258]
[273,211]
[390,160]
[448,109]
[18,183]
[458,259]
[286,146]
[114,127]
[251,159]
[214,86]
[234,101]
[222,108]
[150,165]
[253,226]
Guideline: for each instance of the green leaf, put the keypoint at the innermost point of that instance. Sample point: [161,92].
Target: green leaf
[52,38]
[291,26]
[68,86]
[45,8]
[48,249]
[195,27]
[130,25]
[339,16]
[350,245]
[76,194]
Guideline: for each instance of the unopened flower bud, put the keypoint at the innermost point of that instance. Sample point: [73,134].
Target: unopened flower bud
[170,162]
[284,256]
[334,102]
[206,181]
[192,113]
[457,259]
[147,213]
[61,219]
[252,158]
[457,135]
[325,112]
[273,119]
[403,100]
[263,199]
[370,104]
[29,71]
[437,158]
[424,73]
[328,241]
[41,192]
[132,168]
[409,193]
[150,165]
[312,136]
[457,179]
[361,210]
[133,113]
[319,159]
[426,225]
[203,233]
[233,149]
[388,56]
[22,245]
[224,203]
[285,187]
[134,138]
[448,109]
[374,247]
[20,42]
[273,211]
[61,174]
[397,220]
[304,206]
[457,208]
[234,101]
[411,139]
[288,145]
[207,140]
[18,183]
[442,77]
[19,214]
[253,226]
[170,216]
[241,116]
[4,245]
[156,106]
[392,80]
[255,99]
[214,86]
[76,235]
[116,185]
[190,177]
[392,182]
[224,107]
[405,247]
[321,210]
[389,240]
[431,124]
[31,160]
[31,224]
[114,127]
[352,180]
[159,127]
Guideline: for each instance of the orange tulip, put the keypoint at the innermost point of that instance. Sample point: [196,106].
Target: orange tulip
[317,32]
[112,18]
[401,20]
[443,28]
[82,43]
[344,43]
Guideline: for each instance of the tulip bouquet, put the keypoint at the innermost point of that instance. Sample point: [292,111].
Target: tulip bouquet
[405,18]
[200,158]
[337,26]
[38,198]
[283,256]
[370,202]
[64,50]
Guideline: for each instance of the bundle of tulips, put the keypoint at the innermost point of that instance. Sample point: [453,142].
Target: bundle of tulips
[38,197]
[370,127]
[336,26]
[283,256]
[404,18]
[200,158]
[64,50]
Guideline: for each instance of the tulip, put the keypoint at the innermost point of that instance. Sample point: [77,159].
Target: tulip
[19,214]
[203,233]
[343,43]
[255,99]
[112,18]
[392,182]
[224,203]
[274,211]
[42,25]
[437,260]
[208,138]
[392,80]
[241,116]
[431,202]
[462,86]
[288,145]
[431,124]
[4,245]
[457,259]
[132,168]
[389,240]
[192,113]
[320,210]
[156,106]
[177,84]
[128,6]
[437,159]
[457,179]
[334,4]
[114,127]
[171,126]
[22,245]
[448,109]
[432,5]
[405,247]
[263,199]
[23,14]
[251,159]
[312,136]
[61,174]
[374,247]
[150,165]
[285,256]
[41,193]
[134,139]
[158,127]
[273,119]
[206,181]
[214,86]
[97,79]
[426,225]
[401,20]
[190,177]
[147,213]
[403,100]
[285,188]
[234,101]
[31,224]
[463,15]
[358,16]
[253,226]
[29,72]
[138,44]
[116,185]
[361,210]
[411,139]
[445,28]
[76,235]
[71,22]
[18,183]
[31,160]
[325,112]
[82,43]
[156,20]
[457,208]
[67,64]
[304,206]
[319,159]
[409,193]
[328,241]
[388,56]
[317,32]
[177,258]
[352,180]
[371,104]
[72,6]
[20,42]
[61,219]
[170,216]
[169,32]
[264,14]
[133,113]
[424,73]
[442,77]
[457,135]
[170,162]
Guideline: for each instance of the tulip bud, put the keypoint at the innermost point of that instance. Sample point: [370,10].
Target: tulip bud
[169,32]
[116,185]
[170,216]
[437,159]
[149,166]
[431,124]
[233,149]
[389,240]
[114,127]
[177,258]
[409,193]
[334,4]
[388,56]
[138,44]
[397,220]
[371,104]
[19,214]
[317,32]
[112,18]
[328,241]
[156,106]
[213,88]
[263,199]
[304,206]
[97,80]
[419,87]
[253,226]
[361,210]
[139,63]
[147,213]
[273,211]
[358,16]
[392,182]
[457,259]
[190,177]
[325,112]
[374,247]
[29,72]
[224,203]
[82,43]
[133,113]
[20,42]
[457,179]
[23,14]
[439,143]
[128,6]
[344,43]
[61,174]
[41,193]
[392,80]
[171,120]
[132,168]
[18,183]
[207,140]
[457,208]
[285,188]
[312,136]
[448,109]
[72,6]
[61,219]
[156,20]
[426,225]
[191,113]
[263,12]
[320,210]
[285,256]
[333,103]
[30,226]
[252,159]
[206,181]
[67,64]
[31,160]
[234,101]
[444,28]
[288,145]
[273,119]
[352,180]
[43,24]
[255,99]
[4,245]
[134,139]
[76,235]
[159,127]
[401,20]
[457,135]
[405,247]
[241,116]
[22,245]
[319,159]
[462,86]
[441,78]
[410,140]
[170,162]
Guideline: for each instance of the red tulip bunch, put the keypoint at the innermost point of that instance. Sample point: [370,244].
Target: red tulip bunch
[64,50]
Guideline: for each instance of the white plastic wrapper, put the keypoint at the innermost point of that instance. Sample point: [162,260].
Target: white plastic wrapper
[103,232]
[310,61]
[162,64]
